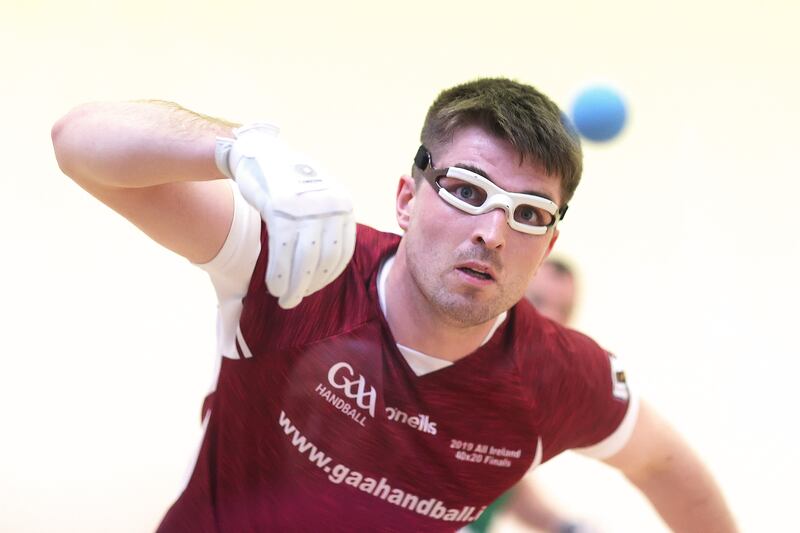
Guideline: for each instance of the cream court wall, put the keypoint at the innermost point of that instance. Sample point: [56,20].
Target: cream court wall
[685,228]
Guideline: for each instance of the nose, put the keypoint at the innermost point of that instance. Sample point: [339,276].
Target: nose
[491,229]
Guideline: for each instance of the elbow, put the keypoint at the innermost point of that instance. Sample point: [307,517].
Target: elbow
[65,135]
[57,136]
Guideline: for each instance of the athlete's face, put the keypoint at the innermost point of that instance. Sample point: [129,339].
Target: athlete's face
[552,292]
[471,268]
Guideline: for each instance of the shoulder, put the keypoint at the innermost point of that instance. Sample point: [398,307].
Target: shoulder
[373,246]
[548,348]
[578,386]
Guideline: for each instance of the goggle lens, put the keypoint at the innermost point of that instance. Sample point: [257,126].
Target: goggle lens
[475,195]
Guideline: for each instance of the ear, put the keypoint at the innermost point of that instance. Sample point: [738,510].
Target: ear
[404,204]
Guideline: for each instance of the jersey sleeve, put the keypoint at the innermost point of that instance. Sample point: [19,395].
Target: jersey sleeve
[231,269]
[593,407]
[617,439]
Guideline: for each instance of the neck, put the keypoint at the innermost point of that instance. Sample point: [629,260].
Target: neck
[415,323]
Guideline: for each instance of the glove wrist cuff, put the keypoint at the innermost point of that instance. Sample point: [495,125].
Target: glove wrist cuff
[245,138]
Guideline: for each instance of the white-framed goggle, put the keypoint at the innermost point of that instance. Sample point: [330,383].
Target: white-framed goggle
[475,194]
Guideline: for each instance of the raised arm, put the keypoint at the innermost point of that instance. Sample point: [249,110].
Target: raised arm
[161,167]
[672,477]
[152,162]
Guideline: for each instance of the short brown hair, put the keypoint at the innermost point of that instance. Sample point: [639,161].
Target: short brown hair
[515,112]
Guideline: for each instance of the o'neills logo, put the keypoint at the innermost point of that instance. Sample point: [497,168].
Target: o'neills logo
[342,376]
[419,422]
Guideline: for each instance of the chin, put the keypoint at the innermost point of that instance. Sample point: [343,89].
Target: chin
[467,312]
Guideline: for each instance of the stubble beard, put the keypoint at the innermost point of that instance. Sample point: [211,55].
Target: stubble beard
[460,309]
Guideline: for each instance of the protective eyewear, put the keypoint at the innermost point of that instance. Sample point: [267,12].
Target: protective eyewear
[474,194]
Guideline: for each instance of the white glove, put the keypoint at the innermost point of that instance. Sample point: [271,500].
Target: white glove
[309,216]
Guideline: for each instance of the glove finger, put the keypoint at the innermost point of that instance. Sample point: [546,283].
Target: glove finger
[348,245]
[282,243]
[330,252]
[304,263]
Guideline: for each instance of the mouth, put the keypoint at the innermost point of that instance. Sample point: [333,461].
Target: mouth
[477,272]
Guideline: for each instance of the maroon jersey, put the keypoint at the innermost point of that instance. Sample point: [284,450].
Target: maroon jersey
[319,424]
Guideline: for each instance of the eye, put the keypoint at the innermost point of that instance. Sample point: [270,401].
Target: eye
[532,216]
[463,190]
[527,214]
[466,192]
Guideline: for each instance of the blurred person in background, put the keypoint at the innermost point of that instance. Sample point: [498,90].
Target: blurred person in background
[553,290]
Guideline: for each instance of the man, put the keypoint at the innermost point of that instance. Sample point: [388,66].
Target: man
[410,389]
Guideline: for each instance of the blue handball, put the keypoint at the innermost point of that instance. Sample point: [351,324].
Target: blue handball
[599,113]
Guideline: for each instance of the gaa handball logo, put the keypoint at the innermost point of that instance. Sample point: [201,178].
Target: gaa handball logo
[342,376]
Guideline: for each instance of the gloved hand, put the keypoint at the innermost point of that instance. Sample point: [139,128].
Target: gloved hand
[309,216]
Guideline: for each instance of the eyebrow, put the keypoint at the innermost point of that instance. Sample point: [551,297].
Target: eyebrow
[479,171]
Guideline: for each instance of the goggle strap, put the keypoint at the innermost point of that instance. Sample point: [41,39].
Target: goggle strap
[423,158]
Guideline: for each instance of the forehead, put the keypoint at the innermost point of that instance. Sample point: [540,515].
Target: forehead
[474,148]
